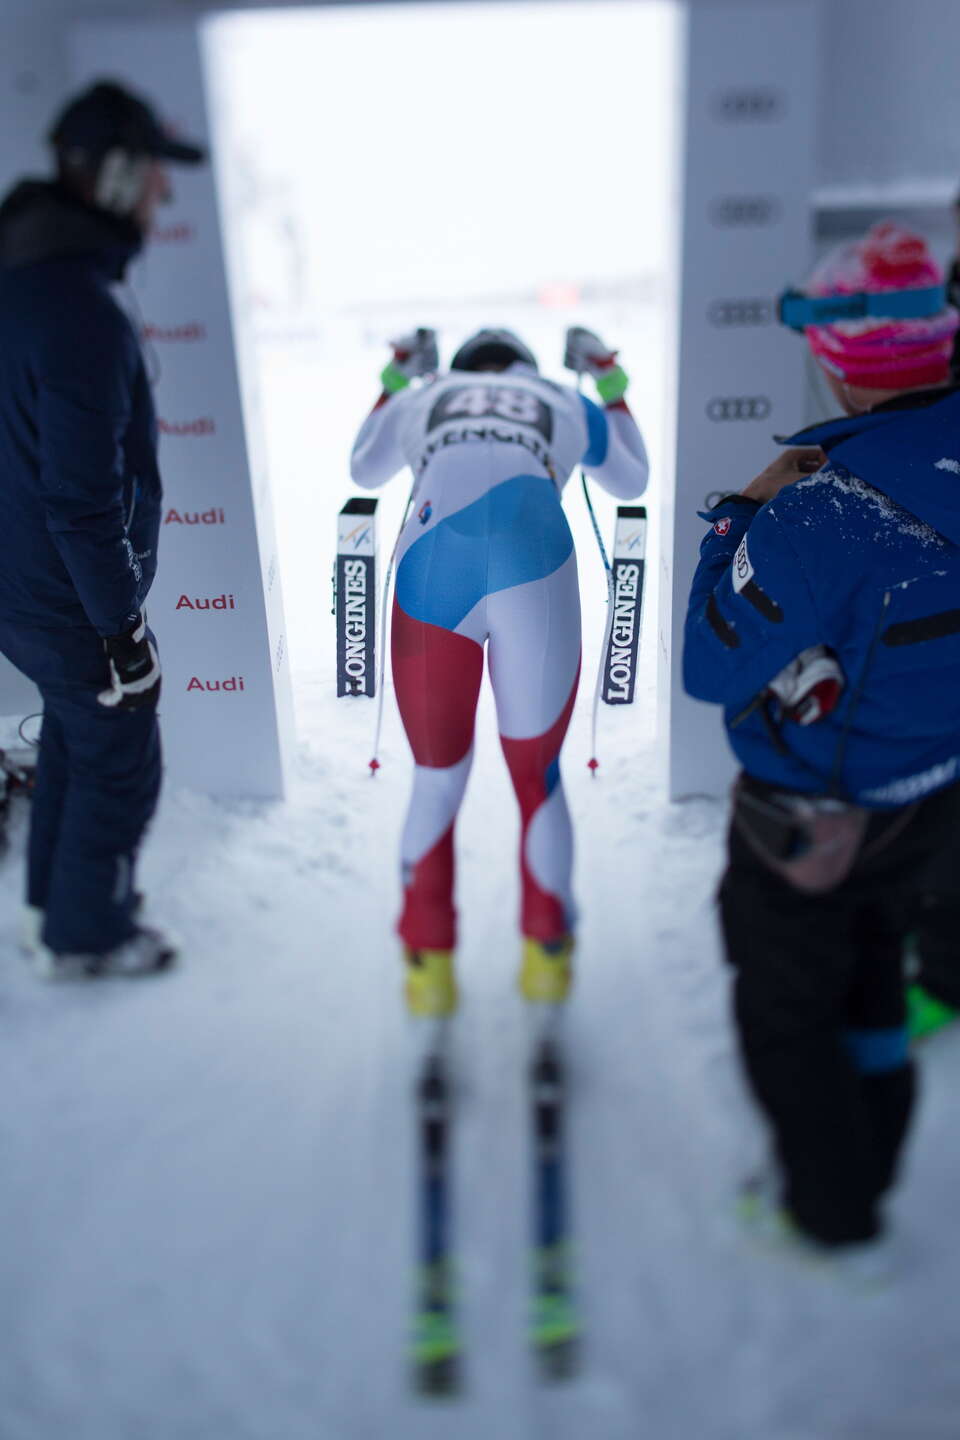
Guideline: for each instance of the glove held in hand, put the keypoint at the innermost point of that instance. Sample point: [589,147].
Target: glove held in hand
[810,686]
[134,669]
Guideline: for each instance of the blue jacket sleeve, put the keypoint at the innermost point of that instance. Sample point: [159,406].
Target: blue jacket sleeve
[86,375]
[750,612]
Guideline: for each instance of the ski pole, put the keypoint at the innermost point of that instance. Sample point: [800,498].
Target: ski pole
[593,764]
[375,762]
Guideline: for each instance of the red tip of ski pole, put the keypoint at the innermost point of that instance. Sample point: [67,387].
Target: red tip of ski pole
[593,766]
[374,767]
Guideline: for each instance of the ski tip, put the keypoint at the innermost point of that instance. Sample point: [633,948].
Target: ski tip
[560,1360]
[593,765]
[440,1379]
[374,767]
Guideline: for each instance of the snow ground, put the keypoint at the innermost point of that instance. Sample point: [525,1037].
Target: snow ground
[207,1186]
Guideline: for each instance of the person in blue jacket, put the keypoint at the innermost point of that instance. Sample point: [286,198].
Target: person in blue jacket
[78,547]
[824,617]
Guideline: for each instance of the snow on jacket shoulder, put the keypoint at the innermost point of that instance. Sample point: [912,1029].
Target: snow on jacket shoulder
[866,562]
[77,432]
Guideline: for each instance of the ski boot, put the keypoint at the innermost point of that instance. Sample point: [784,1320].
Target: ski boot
[431,987]
[32,918]
[926,1014]
[147,952]
[546,972]
[860,1265]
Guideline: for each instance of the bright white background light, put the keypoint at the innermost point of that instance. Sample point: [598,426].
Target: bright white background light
[383,167]
[451,151]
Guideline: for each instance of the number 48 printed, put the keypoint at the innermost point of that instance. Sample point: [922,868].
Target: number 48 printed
[501,402]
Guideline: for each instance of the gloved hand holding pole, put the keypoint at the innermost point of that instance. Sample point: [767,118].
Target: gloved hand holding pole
[586,352]
[414,355]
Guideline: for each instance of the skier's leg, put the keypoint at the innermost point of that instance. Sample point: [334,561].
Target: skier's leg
[535,668]
[437,674]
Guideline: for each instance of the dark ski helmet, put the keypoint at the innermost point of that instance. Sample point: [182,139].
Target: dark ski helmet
[492,347]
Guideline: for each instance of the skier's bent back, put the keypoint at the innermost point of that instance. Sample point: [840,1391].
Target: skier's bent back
[487,556]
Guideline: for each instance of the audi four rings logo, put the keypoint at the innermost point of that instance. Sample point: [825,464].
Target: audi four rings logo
[726,313]
[743,210]
[748,105]
[739,407]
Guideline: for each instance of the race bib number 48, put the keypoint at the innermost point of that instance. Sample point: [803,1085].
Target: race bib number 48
[493,402]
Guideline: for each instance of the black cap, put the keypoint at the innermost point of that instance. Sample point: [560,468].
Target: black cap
[108,117]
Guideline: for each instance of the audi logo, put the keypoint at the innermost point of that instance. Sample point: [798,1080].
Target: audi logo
[724,313]
[739,407]
[749,105]
[736,210]
[713,497]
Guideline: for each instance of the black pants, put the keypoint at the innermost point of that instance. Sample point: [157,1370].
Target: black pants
[819,1009]
[937,926]
[98,779]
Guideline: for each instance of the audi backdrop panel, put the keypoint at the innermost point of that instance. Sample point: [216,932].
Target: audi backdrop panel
[749,161]
[215,604]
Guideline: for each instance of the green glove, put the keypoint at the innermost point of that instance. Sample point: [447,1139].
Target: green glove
[392,378]
[414,356]
[585,351]
[611,383]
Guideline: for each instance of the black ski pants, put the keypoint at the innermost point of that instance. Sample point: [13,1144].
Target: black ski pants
[820,1014]
[937,926]
[98,780]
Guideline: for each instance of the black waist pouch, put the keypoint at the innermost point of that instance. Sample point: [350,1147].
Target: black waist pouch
[810,841]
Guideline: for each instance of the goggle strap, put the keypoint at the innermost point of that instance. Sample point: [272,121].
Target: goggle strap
[797,310]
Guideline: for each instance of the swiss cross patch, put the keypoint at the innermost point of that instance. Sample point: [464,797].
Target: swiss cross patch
[720,527]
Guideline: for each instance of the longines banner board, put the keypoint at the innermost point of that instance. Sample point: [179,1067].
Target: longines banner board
[748,156]
[215,606]
[623,647]
[356,597]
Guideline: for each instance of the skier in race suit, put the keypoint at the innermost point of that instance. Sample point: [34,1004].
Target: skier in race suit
[487,557]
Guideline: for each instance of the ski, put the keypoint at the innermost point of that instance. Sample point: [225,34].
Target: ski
[554,1325]
[436,1345]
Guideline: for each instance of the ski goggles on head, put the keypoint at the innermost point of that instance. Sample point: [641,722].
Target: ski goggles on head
[797,310]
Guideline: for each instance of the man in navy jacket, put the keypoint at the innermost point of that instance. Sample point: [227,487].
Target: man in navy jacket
[78,546]
[825,617]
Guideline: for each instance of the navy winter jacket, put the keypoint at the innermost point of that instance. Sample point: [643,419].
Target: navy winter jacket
[79,485]
[862,557]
